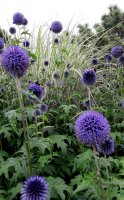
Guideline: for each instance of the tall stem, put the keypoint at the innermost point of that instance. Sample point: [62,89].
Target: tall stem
[108,178]
[98,173]
[89,97]
[25,124]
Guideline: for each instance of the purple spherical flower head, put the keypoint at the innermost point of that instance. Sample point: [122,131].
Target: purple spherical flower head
[18,18]
[92,128]
[43,107]
[36,89]
[56,75]
[46,62]
[117,51]
[88,103]
[25,22]
[66,73]
[122,103]
[94,61]
[48,83]
[88,77]
[26,43]
[36,113]
[12,30]
[106,148]
[34,188]
[121,59]
[1,43]
[56,27]
[108,57]
[15,60]
[56,40]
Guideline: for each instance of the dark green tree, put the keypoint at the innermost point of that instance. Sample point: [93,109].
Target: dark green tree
[112,25]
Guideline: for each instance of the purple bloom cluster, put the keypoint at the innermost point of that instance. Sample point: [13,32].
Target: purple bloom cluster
[34,188]
[122,103]
[56,75]
[43,107]
[66,73]
[36,112]
[117,51]
[12,30]
[108,57]
[92,128]
[19,19]
[106,148]
[48,83]
[121,59]
[88,77]
[56,40]
[1,43]
[26,43]
[46,62]
[36,89]
[88,102]
[25,22]
[15,61]
[94,61]
[56,27]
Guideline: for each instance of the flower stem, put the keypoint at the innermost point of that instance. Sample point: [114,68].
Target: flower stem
[36,122]
[89,97]
[98,173]
[108,178]
[25,124]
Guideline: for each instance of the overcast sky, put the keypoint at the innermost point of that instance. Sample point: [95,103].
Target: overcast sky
[44,11]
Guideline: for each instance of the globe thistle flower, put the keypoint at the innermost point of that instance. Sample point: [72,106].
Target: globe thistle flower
[35,187]
[46,62]
[26,43]
[122,103]
[94,61]
[18,18]
[1,43]
[36,89]
[56,40]
[106,148]
[88,77]
[15,60]
[36,113]
[117,51]
[108,57]
[66,73]
[56,75]
[56,27]
[48,83]
[43,107]
[25,22]
[12,30]
[121,59]
[88,102]
[92,128]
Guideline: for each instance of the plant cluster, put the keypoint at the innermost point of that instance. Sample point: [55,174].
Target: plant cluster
[61,116]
